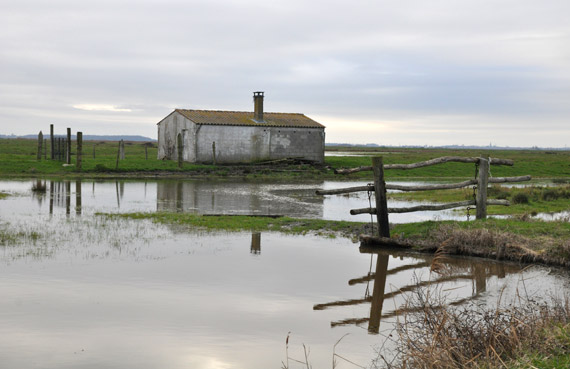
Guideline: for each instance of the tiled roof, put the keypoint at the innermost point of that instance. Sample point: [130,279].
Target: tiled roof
[244,118]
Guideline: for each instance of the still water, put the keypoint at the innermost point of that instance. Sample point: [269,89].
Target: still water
[84,291]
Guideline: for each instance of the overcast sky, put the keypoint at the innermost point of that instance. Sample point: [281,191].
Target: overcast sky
[400,72]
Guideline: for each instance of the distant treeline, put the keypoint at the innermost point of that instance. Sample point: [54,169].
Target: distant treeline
[453,147]
[88,137]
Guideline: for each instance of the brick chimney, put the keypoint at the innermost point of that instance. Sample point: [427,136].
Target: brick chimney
[258,106]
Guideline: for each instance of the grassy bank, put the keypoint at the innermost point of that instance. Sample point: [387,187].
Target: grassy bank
[524,200]
[522,240]
[18,158]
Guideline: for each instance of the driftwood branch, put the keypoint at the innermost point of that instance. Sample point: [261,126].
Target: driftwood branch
[439,186]
[444,159]
[509,179]
[384,241]
[345,190]
[431,207]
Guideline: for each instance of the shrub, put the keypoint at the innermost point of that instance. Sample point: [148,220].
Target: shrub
[520,198]
[101,168]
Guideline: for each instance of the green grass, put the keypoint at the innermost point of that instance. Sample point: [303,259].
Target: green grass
[320,227]
[18,158]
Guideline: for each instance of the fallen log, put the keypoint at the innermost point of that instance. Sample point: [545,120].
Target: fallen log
[384,241]
[444,159]
[431,207]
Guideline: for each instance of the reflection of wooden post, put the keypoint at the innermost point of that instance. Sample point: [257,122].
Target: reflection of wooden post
[78,195]
[68,147]
[214,152]
[180,149]
[378,293]
[51,194]
[79,150]
[380,195]
[67,197]
[482,184]
[255,243]
[51,138]
[40,143]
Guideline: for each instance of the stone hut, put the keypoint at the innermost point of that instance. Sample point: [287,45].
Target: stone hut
[239,137]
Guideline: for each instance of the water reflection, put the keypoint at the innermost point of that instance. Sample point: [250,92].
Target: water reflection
[447,273]
[255,243]
[203,197]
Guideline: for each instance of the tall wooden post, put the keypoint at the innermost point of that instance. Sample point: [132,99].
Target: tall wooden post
[93,151]
[145,151]
[180,150]
[482,184]
[68,147]
[214,152]
[51,138]
[122,149]
[45,149]
[118,156]
[380,195]
[79,150]
[40,143]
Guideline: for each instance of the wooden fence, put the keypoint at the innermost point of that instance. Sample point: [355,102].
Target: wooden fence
[380,187]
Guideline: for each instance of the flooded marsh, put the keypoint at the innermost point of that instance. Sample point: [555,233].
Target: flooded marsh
[83,290]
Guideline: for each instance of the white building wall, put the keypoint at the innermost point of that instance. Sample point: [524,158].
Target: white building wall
[237,144]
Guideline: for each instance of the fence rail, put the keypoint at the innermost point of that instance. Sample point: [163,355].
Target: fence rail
[380,187]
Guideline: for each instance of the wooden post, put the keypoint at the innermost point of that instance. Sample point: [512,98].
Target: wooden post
[40,143]
[122,150]
[180,149]
[68,147]
[482,183]
[118,156]
[145,151]
[51,138]
[45,148]
[79,150]
[93,151]
[380,195]
[214,152]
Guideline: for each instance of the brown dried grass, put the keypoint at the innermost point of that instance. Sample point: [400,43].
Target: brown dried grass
[436,336]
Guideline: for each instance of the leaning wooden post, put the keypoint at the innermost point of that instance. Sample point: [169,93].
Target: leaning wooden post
[180,150]
[118,156]
[380,195]
[79,150]
[482,184]
[68,147]
[122,150]
[51,138]
[40,143]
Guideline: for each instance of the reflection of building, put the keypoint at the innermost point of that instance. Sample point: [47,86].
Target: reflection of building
[457,269]
[210,197]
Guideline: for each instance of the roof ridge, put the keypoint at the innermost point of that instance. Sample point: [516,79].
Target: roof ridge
[236,111]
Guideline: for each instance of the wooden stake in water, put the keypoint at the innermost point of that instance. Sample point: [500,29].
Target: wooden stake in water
[380,195]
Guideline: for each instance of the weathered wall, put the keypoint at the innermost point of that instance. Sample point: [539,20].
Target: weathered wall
[236,144]
[168,129]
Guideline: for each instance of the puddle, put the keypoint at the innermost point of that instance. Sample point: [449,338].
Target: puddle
[80,290]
